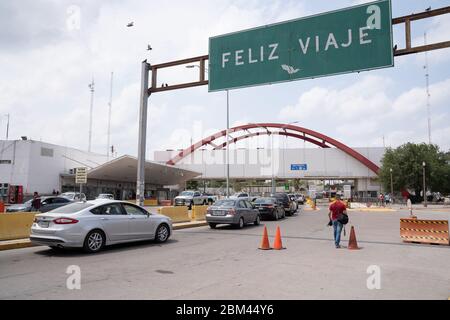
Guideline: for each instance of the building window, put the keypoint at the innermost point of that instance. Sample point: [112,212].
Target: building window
[46,152]
[5,161]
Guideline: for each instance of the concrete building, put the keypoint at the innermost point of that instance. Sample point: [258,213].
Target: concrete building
[43,167]
[312,164]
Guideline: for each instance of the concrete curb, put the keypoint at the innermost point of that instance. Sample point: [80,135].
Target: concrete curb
[26,243]
[188,225]
[15,244]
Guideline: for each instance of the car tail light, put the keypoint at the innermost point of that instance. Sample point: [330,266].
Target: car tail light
[65,221]
[232,211]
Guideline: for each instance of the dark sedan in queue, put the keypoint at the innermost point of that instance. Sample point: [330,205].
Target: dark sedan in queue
[237,212]
[270,208]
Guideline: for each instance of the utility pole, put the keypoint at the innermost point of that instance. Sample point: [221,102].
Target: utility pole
[91,86]
[109,117]
[427,77]
[140,183]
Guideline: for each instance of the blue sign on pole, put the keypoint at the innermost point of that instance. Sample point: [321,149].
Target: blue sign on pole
[299,167]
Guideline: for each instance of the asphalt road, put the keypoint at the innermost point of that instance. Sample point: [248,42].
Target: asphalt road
[225,263]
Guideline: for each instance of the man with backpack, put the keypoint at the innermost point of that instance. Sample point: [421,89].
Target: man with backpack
[338,217]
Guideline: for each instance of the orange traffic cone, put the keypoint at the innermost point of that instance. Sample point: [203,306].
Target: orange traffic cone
[278,245]
[265,245]
[352,243]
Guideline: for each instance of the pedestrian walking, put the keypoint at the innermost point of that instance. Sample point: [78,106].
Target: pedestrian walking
[337,211]
[36,203]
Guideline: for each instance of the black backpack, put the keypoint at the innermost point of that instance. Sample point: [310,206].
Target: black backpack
[343,219]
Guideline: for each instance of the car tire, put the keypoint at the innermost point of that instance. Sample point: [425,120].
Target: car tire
[94,241]
[162,233]
[276,216]
[212,225]
[257,220]
[241,223]
[284,214]
[210,202]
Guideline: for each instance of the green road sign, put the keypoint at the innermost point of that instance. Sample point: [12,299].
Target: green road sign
[348,40]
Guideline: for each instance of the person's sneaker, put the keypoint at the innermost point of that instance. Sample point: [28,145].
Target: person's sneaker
[338,247]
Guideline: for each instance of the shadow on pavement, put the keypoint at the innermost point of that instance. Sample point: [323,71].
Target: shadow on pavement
[78,252]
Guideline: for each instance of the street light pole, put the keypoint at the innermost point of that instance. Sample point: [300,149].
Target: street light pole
[273,178]
[392,188]
[228,144]
[424,186]
[91,87]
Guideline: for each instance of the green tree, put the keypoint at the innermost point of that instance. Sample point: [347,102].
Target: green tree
[192,185]
[407,170]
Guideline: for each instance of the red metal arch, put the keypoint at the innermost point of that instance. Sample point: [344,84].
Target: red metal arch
[281,133]
[306,134]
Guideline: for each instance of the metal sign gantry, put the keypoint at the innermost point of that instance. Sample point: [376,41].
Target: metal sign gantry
[147,89]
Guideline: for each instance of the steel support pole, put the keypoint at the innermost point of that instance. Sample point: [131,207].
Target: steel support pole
[228,144]
[140,183]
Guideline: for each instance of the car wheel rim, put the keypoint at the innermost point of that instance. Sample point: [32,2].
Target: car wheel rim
[163,233]
[95,241]
[241,223]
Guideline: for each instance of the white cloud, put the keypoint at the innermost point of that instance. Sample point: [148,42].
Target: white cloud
[361,114]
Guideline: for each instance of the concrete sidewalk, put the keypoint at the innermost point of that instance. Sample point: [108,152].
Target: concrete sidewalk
[26,243]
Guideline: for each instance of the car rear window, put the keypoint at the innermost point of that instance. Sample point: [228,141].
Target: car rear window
[73,208]
[225,203]
[265,200]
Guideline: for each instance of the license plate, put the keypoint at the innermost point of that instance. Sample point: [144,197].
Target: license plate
[219,213]
[44,224]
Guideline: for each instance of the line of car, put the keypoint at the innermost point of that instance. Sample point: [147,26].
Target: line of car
[94,224]
[241,209]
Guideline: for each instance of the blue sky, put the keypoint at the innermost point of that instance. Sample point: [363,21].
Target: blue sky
[47,65]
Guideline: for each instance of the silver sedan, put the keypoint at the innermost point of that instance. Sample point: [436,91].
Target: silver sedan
[93,224]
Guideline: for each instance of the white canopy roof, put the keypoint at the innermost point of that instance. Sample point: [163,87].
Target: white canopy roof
[124,169]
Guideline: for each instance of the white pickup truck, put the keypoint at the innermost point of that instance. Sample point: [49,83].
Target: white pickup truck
[189,198]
